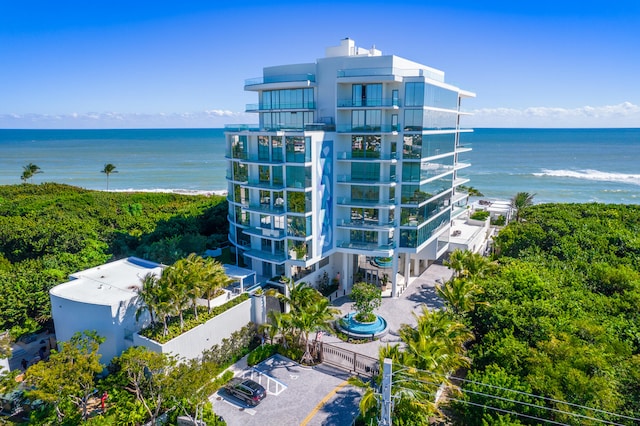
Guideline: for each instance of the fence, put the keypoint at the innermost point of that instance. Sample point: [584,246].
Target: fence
[348,360]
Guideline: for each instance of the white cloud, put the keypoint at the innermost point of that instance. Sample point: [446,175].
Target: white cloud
[91,120]
[625,114]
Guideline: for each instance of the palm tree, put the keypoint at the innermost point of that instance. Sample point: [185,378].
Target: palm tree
[213,277]
[316,315]
[108,169]
[520,202]
[177,289]
[459,294]
[148,294]
[456,261]
[29,170]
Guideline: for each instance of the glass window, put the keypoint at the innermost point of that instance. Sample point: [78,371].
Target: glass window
[264,174]
[365,193]
[265,198]
[263,148]
[298,149]
[298,177]
[440,97]
[366,146]
[365,171]
[413,120]
[277,175]
[414,94]
[276,148]
[239,146]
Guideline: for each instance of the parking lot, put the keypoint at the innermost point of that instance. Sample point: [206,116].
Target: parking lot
[296,395]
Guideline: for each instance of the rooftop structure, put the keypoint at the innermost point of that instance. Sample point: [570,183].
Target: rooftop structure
[356,156]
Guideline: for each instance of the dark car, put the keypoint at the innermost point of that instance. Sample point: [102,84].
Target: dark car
[246,390]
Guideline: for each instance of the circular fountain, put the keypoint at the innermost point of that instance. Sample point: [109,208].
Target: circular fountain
[362,330]
[383,262]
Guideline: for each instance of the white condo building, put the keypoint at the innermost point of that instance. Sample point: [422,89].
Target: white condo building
[352,169]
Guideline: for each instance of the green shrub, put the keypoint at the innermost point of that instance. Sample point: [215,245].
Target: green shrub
[155,332]
[479,215]
[261,353]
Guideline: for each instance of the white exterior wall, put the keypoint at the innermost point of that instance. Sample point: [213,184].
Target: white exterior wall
[192,343]
[109,322]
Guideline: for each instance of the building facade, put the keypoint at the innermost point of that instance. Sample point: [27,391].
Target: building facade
[352,170]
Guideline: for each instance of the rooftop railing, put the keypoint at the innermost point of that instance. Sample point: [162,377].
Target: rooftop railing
[391,71]
[280,79]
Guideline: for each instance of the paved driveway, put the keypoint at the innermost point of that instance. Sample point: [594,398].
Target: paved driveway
[420,292]
[313,396]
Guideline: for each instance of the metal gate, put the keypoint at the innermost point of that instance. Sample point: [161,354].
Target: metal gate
[348,360]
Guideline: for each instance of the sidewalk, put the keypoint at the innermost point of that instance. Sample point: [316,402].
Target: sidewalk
[421,291]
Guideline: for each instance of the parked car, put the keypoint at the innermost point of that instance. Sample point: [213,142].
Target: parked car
[246,390]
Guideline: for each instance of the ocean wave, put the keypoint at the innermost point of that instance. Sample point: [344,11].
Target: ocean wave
[589,174]
[175,191]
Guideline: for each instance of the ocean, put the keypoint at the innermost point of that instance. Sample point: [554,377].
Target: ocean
[558,165]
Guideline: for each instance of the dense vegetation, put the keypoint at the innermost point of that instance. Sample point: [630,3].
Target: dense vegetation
[48,231]
[559,318]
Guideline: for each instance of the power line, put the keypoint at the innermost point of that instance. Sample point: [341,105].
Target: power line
[528,394]
[582,416]
[502,410]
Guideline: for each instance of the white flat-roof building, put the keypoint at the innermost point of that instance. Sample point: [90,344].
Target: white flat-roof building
[356,156]
[104,299]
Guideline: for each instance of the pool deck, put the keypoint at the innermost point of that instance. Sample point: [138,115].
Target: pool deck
[397,311]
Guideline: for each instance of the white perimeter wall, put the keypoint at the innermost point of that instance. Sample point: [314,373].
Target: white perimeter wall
[192,343]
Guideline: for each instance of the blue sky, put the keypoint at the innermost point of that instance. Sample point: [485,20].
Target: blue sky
[103,64]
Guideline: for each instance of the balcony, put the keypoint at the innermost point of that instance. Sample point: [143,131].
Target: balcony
[365,224]
[365,103]
[360,155]
[308,127]
[282,106]
[264,185]
[278,257]
[362,245]
[346,201]
[380,128]
[287,78]
[265,208]
[377,181]
[273,234]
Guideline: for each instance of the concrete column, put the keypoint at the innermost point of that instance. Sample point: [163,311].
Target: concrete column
[394,275]
[347,274]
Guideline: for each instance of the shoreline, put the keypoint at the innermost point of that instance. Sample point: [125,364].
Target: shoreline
[220,192]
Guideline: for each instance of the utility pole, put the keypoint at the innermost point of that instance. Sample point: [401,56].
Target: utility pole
[385,412]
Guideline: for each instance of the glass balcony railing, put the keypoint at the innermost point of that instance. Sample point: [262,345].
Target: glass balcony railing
[373,180]
[278,257]
[380,128]
[363,245]
[391,71]
[362,103]
[269,107]
[308,127]
[265,208]
[365,224]
[264,185]
[346,201]
[280,79]
[365,154]
[277,234]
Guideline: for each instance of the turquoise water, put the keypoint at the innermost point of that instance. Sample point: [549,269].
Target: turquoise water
[375,327]
[558,165]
